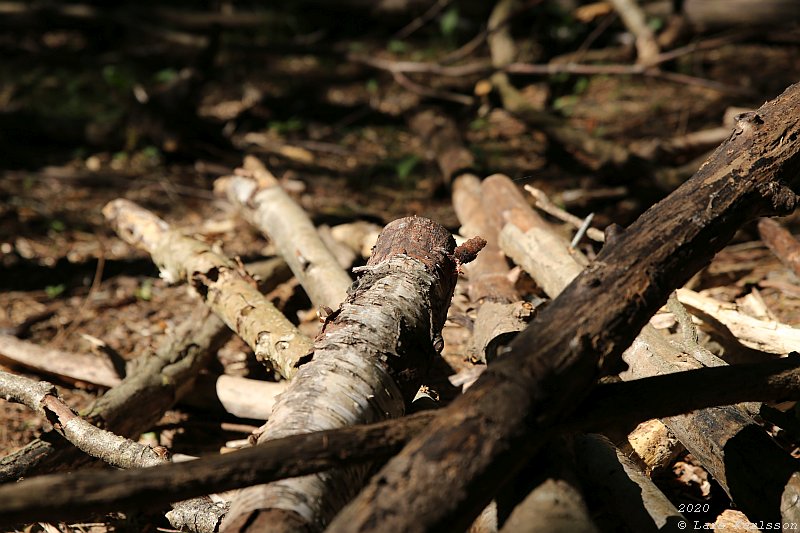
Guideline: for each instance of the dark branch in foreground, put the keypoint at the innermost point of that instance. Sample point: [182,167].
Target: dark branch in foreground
[79,494]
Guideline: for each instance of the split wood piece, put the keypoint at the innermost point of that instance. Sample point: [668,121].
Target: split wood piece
[654,445]
[78,494]
[781,242]
[650,355]
[502,419]
[223,285]
[500,311]
[238,396]
[112,449]
[618,482]
[527,239]
[72,367]
[369,361]
[725,318]
[267,206]
[441,136]
[634,18]
[556,505]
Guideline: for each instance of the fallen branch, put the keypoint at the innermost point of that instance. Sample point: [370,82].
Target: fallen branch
[265,205]
[41,396]
[80,493]
[502,419]
[156,382]
[368,362]
[224,285]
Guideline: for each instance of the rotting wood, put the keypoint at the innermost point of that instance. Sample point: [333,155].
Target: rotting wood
[705,433]
[265,205]
[368,362]
[621,486]
[504,417]
[781,242]
[224,285]
[80,493]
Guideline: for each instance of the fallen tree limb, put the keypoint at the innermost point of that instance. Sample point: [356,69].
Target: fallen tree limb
[709,433]
[550,366]
[136,403]
[368,362]
[224,286]
[40,396]
[80,493]
[267,206]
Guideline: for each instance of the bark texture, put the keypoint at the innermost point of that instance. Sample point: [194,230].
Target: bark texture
[550,367]
[368,362]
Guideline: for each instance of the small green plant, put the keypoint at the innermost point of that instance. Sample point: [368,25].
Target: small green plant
[406,166]
[287,126]
[396,46]
[145,290]
[57,225]
[165,75]
[54,291]
[448,23]
[479,124]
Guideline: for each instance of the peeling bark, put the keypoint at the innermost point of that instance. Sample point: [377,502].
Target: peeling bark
[368,362]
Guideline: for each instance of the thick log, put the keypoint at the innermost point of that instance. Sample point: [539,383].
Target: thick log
[550,366]
[79,494]
[368,362]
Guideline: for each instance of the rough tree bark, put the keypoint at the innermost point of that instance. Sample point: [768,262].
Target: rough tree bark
[507,414]
[368,361]
[79,494]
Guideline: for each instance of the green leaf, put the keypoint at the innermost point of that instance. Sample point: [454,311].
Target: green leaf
[448,23]
[396,46]
[53,291]
[145,290]
[405,166]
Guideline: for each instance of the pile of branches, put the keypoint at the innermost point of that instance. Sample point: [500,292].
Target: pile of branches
[339,449]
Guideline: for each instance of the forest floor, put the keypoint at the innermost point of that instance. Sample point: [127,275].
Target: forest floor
[334,133]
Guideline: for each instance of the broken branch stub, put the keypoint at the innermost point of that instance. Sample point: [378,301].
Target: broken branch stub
[445,475]
[368,362]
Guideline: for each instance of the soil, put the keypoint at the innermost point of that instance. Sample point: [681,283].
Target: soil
[333,132]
